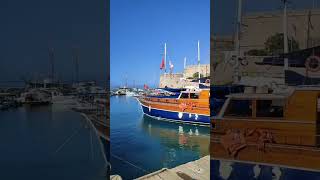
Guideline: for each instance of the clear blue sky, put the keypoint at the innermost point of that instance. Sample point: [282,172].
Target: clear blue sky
[139,28]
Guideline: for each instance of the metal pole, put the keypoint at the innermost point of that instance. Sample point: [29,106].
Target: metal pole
[239,27]
[165,57]
[51,52]
[76,64]
[237,48]
[285,34]
[199,61]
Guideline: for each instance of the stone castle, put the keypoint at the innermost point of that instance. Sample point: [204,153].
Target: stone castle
[179,80]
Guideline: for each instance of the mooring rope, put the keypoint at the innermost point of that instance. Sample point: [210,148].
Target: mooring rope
[99,141]
[91,145]
[125,161]
[67,140]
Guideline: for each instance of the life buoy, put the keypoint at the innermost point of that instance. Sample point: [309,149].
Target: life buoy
[233,61]
[313,63]
[207,81]
[244,62]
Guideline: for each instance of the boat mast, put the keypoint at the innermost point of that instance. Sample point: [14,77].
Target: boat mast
[199,60]
[237,44]
[165,57]
[76,63]
[285,34]
[126,85]
[185,63]
[51,55]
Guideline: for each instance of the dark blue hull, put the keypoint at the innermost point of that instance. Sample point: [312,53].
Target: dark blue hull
[176,116]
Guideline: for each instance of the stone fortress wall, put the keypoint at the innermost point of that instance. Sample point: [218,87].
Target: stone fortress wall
[179,80]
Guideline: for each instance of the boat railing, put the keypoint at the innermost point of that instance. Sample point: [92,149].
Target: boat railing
[189,102]
[262,74]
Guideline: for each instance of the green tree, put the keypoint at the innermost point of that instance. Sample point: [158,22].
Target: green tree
[196,75]
[257,52]
[274,44]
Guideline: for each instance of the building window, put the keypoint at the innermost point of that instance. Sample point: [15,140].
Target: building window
[270,108]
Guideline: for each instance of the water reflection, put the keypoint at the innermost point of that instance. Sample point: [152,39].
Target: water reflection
[148,143]
[38,143]
[183,136]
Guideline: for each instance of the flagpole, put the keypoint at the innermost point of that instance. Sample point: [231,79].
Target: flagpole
[285,35]
[165,57]
[199,61]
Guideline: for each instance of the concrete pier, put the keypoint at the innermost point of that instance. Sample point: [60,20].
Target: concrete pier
[199,169]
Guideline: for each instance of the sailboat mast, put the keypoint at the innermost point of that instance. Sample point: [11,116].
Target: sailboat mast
[165,57]
[239,23]
[308,29]
[126,81]
[237,44]
[285,34]
[199,61]
[51,55]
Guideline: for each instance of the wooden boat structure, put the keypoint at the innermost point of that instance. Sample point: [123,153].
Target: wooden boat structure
[192,106]
[269,128]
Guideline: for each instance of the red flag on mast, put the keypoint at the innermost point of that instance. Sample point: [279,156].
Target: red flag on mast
[162,65]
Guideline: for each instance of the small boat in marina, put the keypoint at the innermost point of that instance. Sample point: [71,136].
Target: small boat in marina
[269,128]
[35,97]
[122,91]
[192,106]
[131,93]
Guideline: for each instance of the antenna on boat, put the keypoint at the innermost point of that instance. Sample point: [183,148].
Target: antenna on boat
[199,60]
[285,34]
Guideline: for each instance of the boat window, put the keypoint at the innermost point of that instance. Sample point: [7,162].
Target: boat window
[184,96]
[270,108]
[194,96]
[239,108]
[219,94]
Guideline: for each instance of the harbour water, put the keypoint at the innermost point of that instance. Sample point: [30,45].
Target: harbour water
[48,142]
[141,145]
